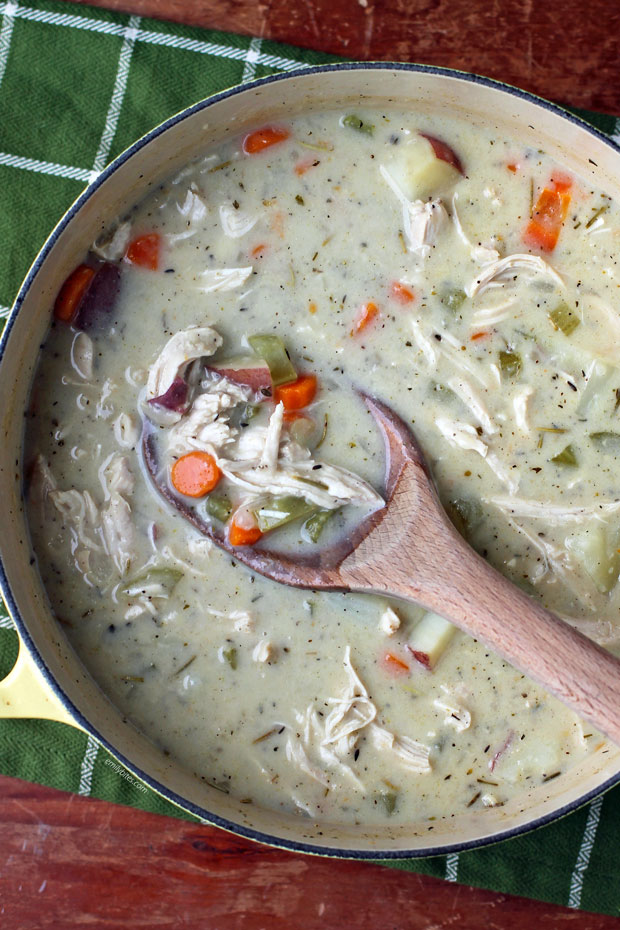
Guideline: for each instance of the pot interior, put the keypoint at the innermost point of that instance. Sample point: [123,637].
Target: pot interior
[146,165]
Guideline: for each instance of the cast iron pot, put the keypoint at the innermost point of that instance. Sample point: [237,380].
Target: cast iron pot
[48,680]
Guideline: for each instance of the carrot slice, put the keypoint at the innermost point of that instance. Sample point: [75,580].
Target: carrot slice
[296,394]
[365,315]
[402,293]
[395,665]
[71,293]
[264,138]
[145,251]
[477,336]
[561,181]
[195,474]
[543,230]
[243,535]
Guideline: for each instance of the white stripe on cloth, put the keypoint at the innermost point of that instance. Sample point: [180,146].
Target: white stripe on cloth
[45,167]
[8,20]
[152,38]
[452,867]
[585,851]
[88,764]
[251,60]
[118,94]
[616,133]
[4,312]
[6,623]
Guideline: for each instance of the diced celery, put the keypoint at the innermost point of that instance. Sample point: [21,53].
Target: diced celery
[430,639]
[564,318]
[271,349]
[249,412]
[314,525]
[156,582]
[357,123]
[218,507]
[566,457]
[274,512]
[510,363]
[388,800]
[452,297]
[231,656]
[606,440]
[596,547]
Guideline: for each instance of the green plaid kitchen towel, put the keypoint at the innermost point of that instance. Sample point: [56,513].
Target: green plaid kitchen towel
[77,86]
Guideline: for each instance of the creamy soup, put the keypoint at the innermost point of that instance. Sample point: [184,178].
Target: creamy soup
[223,326]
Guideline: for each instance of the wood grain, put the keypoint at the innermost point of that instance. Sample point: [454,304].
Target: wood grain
[567,50]
[69,862]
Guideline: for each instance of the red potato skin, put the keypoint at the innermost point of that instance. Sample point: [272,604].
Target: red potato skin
[256,377]
[444,152]
[421,657]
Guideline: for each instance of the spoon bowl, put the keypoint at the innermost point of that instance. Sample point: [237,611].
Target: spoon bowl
[410,549]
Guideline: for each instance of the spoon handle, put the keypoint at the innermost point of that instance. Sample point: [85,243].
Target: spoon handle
[431,564]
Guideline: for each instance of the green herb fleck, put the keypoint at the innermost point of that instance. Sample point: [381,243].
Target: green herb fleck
[299,199]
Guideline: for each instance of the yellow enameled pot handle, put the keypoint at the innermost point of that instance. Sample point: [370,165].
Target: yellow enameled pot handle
[25,693]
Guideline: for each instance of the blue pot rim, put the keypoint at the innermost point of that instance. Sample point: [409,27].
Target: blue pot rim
[199,812]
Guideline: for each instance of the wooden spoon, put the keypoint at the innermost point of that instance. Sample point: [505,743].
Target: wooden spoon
[410,549]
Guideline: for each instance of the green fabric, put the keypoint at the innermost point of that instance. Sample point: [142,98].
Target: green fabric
[77,86]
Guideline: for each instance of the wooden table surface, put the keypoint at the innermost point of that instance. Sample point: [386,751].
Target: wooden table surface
[68,861]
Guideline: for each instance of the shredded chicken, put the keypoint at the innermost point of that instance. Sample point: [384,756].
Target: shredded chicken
[411,754]
[389,622]
[467,394]
[463,435]
[327,486]
[126,431]
[223,279]
[111,246]
[242,620]
[206,428]
[520,406]
[82,356]
[118,532]
[181,349]
[457,715]
[505,269]
[115,475]
[422,221]
[489,316]
[479,253]
[553,514]
[235,223]
[263,651]
[81,515]
[335,738]
[193,208]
